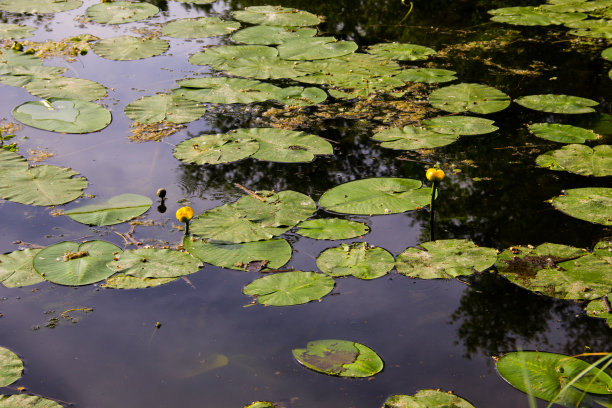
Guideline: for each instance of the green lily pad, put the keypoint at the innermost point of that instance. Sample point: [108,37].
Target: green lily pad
[260,404]
[445,259]
[14,58]
[464,97]
[199,27]
[154,263]
[593,204]
[289,288]
[533,16]
[39,6]
[10,161]
[270,35]
[63,115]
[73,264]
[218,57]
[460,125]
[159,108]
[276,16]
[426,75]
[121,281]
[215,149]
[315,48]
[339,357]
[26,401]
[298,96]
[358,259]
[351,65]
[376,196]
[120,12]
[115,210]
[412,138]
[196,1]
[607,54]
[21,75]
[262,68]
[225,90]
[591,28]
[562,133]
[401,52]
[11,367]
[129,48]
[579,159]
[66,88]
[557,103]
[272,254]
[331,228]
[427,399]
[597,308]
[13,31]
[16,269]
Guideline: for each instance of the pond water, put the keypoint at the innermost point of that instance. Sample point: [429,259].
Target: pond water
[211,349]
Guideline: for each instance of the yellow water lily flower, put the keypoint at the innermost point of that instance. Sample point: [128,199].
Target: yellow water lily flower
[184,214]
[434,174]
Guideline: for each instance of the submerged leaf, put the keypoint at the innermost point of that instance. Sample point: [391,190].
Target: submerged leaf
[218,57]
[121,281]
[271,35]
[215,149]
[225,90]
[13,31]
[289,288]
[460,125]
[315,48]
[426,75]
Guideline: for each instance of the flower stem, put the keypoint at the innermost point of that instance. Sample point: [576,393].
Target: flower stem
[432,211]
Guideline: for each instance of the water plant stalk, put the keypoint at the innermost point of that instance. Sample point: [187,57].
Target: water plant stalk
[435,176]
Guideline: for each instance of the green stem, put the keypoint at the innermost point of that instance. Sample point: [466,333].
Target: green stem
[434,186]
[186,228]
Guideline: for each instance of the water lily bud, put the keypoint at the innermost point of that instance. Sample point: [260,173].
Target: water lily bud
[184,214]
[434,174]
[161,193]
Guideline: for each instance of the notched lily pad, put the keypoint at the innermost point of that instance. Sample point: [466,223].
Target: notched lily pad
[289,288]
[16,269]
[66,88]
[412,138]
[14,31]
[129,48]
[427,399]
[593,204]
[159,108]
[579,159]
[115,210]
[218,57]
[460,125]
[120,12]
[276,16]
[601,308]
[315,48]
[331,228]
[556,132]
[464,97]
[557,103]
[533,16]
[122,281]
[225,90]
[401,52]
[358,259]
[215,149]
[154,263]
[271,35]
[426,75]
[11,367]
[27,401]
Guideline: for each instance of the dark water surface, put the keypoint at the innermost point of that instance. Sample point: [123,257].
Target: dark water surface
[431,334]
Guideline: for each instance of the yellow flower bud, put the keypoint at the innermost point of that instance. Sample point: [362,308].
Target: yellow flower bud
[434,174]
[184,214]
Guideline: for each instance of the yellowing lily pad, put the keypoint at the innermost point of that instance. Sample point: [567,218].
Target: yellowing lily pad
[27,401]
[12,31]
[38,6]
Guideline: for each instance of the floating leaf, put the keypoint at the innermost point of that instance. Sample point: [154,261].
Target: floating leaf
[10,161]
[121,281]
[315,48]
[401,52]
[63,115]
[38,6]
[412,138]
[591,28]
[13,31]
[351,65]
[427,399]
[199,27]
[607,54]
[562,133]
[225,90]
[263,68]
[298,96]
[593,204]
[218,57]
[272,253]
[120,12]
[445,259]
[129,48]
[271,35]
[74,264]
[66,88]
[358,259]
[158,108]
[260,404]
[26,401]
[533,16]
[115,210]
[289,288]
[276,16]
[331,228]
[11,58]
[376,196]
[460,125]
[579,159]
[557,103]
[154,263]
[598,308]
[196,1]
[21,75]
[426,75]
[11,367]
[215,149]
[464,97]
[339,357]
[16,269]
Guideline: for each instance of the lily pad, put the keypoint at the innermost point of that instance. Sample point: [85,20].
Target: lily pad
[63,115]
[579,159]
[129,48]
[26,401]
[39,6]
[225,90]
[276,16]
[593,204]
[557,103]
[115,210]
[122,281]
[358,259]
[270,35]
[120,12]
[607,54]
[601,28]
[289,288]
[401,52]
[445,259]
[66,88]
[21,75]
[427,399]
[158,108]
[74,264]
[598,308]
[14,58]
[263,68]
[412,138]
[315,48]
[339,357]
[460,125]
[218,57]
[464,97]
[16,269]
[260,404]
[376,196]
[351,65]
[154,263]
[215,149]
[533,16]
[199,27]
[13,31]
[426,75]
[298,96]
[273,253]
[11,367]
[10,161]
[562,133]
[331,228]
[196,1]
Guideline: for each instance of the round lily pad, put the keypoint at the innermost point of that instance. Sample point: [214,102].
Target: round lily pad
[13,58]
[129,48]
[557,103]
[215,149]
[464,97]
[27,401]
[556,132]
[276,16]
[412,138]
[154,263]
[66,88]
[263,68]
[63,115]
[16,269]
[315,48]
[21,75]
[196,1]
[445,259]
[460,125]
[598,308]
[601,28]
[217,57]
[426,75]
[593,204]
[298,96]
[376,196]
[158,108]
[579,159]
[351,66]
[339,357]
[115,210]
[401,52]
[12,161]
[358,259]
[331,228]
[120,12]
[289,288]
[225,90]
[427,398]
[74,264]
[38,6]
[270,35]
[533,16]
[13,31]
[607,54]
[199,28]
[122,281]
[260,404]
[11,367]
